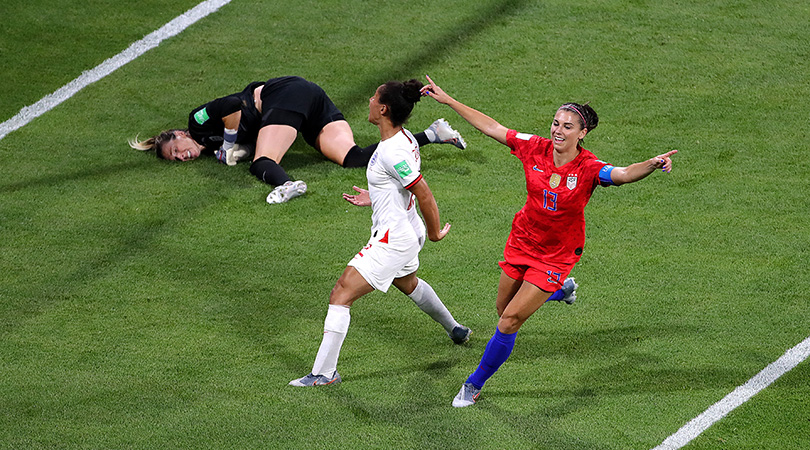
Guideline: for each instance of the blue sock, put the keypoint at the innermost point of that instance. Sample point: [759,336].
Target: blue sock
[498,350]
[556,296]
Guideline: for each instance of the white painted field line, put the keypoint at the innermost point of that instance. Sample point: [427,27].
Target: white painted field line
[150,41]
[760,381]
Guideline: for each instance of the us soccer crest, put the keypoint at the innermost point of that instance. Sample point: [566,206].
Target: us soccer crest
[554,180]
[571,182]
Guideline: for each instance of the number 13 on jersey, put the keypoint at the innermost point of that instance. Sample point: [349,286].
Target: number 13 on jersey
[549,200]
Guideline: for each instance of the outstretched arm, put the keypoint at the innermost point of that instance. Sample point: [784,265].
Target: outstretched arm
[639,170]
[430,211]
[483,122]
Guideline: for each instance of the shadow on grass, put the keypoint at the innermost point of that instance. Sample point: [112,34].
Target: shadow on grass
[137,238]
[418,61]
[631,371]
[86,173]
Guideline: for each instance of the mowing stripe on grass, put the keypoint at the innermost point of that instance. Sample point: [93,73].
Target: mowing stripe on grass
[178,24]
[760,381]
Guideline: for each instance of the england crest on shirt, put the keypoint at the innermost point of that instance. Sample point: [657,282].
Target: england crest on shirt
[571,182]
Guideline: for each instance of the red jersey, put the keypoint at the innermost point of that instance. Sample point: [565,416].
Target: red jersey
[551,225]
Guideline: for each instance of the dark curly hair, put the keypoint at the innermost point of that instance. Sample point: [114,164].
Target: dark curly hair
[400,98]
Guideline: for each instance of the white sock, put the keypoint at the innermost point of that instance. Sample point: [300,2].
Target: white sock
[335,328]
[426,299]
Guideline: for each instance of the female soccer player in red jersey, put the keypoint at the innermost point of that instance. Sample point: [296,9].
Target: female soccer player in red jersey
[549,232]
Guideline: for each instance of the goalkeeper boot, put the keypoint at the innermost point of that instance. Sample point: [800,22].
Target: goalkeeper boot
[287,192]
[443,133]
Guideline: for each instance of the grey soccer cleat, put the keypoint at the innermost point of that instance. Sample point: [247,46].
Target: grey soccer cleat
[460,334]
[287,192]
[445,134]
[316,380]
[466,396]
[570,291]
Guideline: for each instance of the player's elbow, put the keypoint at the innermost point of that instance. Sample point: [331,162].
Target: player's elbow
[619,176]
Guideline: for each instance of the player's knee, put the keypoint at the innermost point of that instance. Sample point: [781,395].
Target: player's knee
[340,294]
[407,285]
[357,157]
[510,323]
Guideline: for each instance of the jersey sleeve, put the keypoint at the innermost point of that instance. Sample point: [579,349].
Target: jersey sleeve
[520,142]
[401,166]
[205,122]
[603,171]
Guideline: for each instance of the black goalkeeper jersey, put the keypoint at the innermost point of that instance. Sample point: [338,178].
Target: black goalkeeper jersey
[205,122]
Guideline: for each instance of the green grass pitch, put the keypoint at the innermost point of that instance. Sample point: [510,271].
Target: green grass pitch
[145,304]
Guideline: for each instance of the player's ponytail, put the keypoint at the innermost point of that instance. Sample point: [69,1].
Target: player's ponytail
[590,116]
[154,142]
[411,90]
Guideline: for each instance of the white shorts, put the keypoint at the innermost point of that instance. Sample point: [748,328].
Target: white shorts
[387,256]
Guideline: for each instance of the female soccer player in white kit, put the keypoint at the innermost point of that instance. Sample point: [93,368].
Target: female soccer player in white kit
[397,233]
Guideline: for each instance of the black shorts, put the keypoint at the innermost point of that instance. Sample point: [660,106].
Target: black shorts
[298,103]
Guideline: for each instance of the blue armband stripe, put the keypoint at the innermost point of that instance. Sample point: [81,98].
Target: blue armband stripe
[604,175]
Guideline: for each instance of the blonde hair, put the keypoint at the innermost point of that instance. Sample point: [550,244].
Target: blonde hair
[154,142]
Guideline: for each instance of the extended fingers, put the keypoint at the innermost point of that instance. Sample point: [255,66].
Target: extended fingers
[430,89]
[664,161]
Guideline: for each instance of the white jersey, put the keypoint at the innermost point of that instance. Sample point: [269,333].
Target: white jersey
[393,168]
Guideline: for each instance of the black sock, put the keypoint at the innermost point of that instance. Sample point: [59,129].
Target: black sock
[358,157]
[422,139]
[267,170]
